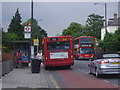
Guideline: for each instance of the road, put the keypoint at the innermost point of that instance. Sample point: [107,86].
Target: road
[59,77]
[78,77]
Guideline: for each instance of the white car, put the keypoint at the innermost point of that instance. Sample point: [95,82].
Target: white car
[105,63]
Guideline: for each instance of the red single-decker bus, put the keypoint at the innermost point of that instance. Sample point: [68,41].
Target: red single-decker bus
[58,51]
[84,47]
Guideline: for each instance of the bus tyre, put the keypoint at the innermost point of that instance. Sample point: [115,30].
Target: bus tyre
[69,66]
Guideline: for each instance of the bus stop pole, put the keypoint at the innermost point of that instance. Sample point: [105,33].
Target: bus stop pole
[37,45]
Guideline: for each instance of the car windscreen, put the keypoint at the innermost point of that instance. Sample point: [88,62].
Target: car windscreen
[62,45]
[111,55]
[87,51]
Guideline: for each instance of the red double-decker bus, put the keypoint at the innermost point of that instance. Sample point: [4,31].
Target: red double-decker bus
[58,51]
[84,47]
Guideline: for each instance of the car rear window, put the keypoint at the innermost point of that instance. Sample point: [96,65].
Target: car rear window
[111,55]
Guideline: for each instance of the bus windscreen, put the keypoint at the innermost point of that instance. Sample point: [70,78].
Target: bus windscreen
[62,45]
[86,40]
[87,51]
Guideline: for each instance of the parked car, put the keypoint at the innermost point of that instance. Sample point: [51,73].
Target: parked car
[104,63]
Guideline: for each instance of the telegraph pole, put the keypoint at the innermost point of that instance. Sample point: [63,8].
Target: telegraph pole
[105,18]
[32,34]
[32,47]
[105,6]
[32,9]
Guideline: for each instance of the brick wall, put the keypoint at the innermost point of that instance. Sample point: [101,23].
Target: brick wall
[7,56]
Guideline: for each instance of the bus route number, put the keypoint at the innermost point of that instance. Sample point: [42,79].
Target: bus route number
[64,39]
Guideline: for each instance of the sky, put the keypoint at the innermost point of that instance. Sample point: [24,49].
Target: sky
[55,16]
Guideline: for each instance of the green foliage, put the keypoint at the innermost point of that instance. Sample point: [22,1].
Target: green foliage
[7,40]
[111,42]
[72,29]
[36,30]
[15,32]
[94,25]
[15,26]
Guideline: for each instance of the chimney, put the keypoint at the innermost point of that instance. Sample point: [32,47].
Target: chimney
[115,17]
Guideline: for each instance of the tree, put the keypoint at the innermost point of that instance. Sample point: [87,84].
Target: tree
[15,26]
[36,30]
[111,42]
[72,29]
[7,39]
[93,25]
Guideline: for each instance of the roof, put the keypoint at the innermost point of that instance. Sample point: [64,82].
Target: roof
[58,37]
[21,41]
[84,37]
[100,55]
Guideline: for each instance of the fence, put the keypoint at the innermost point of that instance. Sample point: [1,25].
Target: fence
[7,63]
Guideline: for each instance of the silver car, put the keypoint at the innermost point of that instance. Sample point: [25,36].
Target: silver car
[104,63]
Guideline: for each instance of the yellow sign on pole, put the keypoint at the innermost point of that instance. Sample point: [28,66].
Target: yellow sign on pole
[36,42]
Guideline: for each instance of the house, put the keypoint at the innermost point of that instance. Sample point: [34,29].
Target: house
[113,25]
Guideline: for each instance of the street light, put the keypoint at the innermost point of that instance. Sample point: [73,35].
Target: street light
[38,21]
[32,47]
[105,6]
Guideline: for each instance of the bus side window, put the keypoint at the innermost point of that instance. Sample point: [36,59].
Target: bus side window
[67,47]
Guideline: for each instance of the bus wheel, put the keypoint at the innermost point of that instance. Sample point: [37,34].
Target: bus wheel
[69,66]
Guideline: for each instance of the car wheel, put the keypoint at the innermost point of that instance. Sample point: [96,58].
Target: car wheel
[97,74]
[90,70]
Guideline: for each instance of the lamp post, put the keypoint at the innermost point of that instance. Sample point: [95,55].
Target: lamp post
[38,21]
[105,6]
[31,9]
[32,47]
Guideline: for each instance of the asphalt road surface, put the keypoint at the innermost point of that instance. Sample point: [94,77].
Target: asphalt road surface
[78,77]
[60,77]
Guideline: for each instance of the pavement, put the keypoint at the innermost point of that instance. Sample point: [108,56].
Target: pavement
[0,84]
[24,78]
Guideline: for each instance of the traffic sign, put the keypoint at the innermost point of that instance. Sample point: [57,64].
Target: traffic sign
[36,42]
[27,29]
[27,35]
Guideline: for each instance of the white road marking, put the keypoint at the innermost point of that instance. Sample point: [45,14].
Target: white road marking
[113,84]
[83,71]
[53,81]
